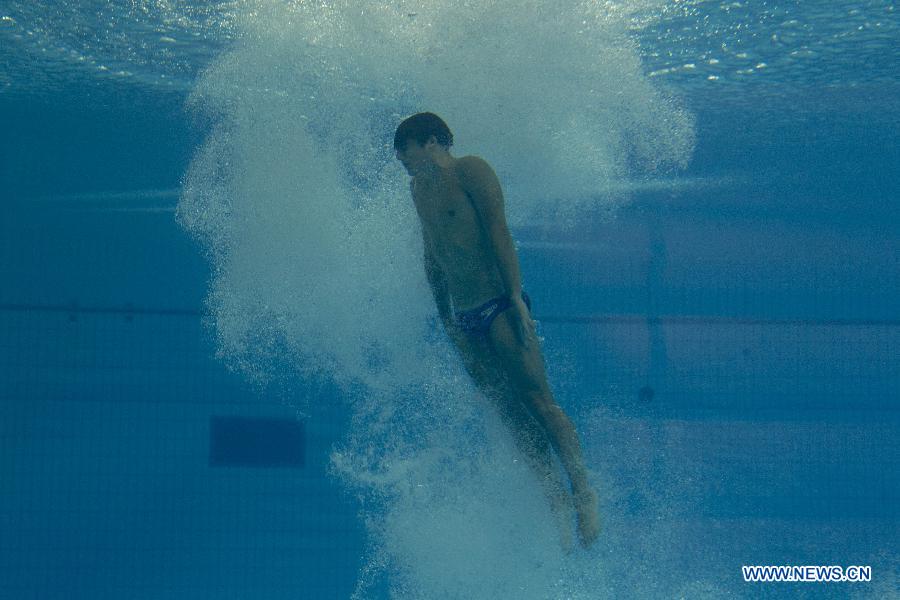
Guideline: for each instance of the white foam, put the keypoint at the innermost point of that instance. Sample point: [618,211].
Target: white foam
[306,217]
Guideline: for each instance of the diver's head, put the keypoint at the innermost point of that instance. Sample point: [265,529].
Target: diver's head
[420,140]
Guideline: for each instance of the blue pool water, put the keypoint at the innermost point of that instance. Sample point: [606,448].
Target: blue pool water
[219,373]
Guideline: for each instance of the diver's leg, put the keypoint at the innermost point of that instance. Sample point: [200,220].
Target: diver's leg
[531,441]
[523,366]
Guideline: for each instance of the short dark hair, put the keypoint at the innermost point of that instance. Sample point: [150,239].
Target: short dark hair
[421,127]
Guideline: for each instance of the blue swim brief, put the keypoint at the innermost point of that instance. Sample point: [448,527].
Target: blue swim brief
[478,320]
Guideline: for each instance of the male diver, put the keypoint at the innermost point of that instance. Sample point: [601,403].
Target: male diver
[471,265]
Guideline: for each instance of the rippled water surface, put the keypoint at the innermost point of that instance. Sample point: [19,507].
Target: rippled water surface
[719,52]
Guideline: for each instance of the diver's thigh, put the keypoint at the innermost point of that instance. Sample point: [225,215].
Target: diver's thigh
[529,436]
[481,364]
[486,369]
[522,363]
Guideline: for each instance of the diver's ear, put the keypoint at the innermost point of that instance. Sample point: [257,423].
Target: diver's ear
[432,141]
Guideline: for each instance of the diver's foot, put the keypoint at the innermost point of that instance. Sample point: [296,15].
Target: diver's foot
[588,517]
[562,512]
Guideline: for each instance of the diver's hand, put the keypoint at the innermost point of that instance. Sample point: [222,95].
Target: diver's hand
[455,334]
[523,323]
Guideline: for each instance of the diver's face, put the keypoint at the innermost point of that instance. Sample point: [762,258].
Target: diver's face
[413,157]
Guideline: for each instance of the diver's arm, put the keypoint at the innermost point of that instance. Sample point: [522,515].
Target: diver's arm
[480,182]
[437,281]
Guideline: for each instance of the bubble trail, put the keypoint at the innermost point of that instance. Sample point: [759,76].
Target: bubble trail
[305,215]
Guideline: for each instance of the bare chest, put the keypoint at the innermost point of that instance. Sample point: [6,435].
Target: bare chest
[446,212]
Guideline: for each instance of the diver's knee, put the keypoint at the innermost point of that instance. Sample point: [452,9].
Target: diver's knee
[551,415]
[539,403]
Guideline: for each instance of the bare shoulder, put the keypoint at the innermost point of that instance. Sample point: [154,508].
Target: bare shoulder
[474,171]
[472,165]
